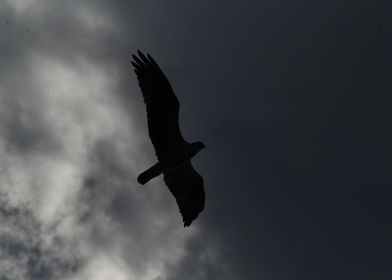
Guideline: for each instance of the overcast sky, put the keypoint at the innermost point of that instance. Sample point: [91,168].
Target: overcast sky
[291,98]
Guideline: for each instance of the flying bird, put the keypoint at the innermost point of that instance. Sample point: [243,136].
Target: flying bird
[174,153]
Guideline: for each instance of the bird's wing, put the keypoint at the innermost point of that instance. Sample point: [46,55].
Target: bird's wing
[186,185]
[161,103]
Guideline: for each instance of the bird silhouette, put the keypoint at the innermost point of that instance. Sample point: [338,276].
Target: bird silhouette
[173,152]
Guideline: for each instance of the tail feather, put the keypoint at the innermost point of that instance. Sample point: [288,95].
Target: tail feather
[150,173]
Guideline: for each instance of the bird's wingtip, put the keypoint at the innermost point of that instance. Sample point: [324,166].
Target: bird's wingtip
[187,223]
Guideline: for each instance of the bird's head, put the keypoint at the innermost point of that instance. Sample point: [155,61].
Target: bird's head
[197,146]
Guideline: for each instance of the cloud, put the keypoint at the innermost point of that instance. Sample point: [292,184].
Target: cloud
[70,152]
[28,250]
[290,98]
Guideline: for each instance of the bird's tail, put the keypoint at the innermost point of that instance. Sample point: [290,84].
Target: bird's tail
[150,173]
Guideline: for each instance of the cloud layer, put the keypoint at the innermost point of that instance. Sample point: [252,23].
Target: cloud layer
[291,98]
[71,151]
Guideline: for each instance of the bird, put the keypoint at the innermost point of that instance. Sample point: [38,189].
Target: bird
[173,152]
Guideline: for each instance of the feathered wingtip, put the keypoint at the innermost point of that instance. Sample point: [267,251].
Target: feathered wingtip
[187,219]
[141,60]
[186,224]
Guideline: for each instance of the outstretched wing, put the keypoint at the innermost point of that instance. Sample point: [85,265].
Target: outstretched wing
[186,185]
[161,103]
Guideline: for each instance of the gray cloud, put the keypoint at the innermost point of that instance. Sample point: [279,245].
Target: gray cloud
[291,100]
[26,251]
[71,150]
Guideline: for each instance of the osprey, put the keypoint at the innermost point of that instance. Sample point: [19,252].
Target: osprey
[173,152]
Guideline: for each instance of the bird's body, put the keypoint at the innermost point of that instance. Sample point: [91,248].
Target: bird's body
[173,152]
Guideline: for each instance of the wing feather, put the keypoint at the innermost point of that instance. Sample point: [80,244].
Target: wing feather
[162,105]
[187,187]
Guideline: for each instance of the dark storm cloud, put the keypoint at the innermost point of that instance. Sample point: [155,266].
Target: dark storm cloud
[291,99]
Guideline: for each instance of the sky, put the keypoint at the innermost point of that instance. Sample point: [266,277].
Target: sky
[291,98]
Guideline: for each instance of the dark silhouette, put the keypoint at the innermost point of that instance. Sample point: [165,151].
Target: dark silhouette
[173,152]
